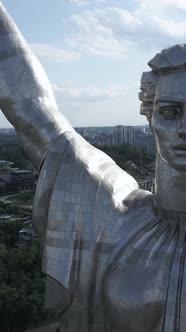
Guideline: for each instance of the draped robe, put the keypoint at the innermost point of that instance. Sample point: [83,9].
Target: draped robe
[104,246]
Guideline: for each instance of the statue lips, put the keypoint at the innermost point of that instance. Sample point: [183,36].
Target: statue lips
[180,150]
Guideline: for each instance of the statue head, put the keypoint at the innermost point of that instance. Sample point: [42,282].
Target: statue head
[163,96]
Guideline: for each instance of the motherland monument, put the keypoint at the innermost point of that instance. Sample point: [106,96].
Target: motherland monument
[114,255]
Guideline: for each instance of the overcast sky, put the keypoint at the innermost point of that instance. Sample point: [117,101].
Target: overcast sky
[94,51]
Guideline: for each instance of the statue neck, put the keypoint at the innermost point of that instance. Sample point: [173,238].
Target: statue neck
[170,191]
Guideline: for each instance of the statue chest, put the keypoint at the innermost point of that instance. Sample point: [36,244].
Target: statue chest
[145,285]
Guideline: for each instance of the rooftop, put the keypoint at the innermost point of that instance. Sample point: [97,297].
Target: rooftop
[20,171]
[5,163]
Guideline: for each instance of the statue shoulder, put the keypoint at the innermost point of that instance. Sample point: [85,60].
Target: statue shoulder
[84,169]
[100,166]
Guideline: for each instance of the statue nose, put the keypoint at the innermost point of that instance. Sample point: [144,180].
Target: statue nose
[182,125]
[182,130]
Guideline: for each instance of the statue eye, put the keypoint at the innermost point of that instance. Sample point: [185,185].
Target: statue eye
[170,113]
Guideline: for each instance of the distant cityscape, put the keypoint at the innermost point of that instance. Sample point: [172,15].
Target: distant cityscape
[139,136]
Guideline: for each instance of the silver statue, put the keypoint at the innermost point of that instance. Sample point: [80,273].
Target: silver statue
[114,255]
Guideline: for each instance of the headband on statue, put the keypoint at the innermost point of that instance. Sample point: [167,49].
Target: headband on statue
[169,60]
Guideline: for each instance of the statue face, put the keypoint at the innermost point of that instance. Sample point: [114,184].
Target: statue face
[169,119]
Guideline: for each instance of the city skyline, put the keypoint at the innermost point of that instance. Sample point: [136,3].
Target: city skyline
[139,136]
[95,51]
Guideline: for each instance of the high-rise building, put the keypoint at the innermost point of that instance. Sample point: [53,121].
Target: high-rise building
[129,135]
[23,180]
[119,135]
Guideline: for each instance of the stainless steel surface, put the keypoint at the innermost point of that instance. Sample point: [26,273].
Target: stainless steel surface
[26,97]
[114,254]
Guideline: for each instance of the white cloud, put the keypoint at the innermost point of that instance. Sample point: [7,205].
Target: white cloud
[111,105]
[101,31]
[51,53]
[86,2]
[90,93]
[171,29]
[115,32]
[161,4]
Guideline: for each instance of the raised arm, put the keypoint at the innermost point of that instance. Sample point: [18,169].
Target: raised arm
[26,96]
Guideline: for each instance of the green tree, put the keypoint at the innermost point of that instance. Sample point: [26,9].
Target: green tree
[22,283]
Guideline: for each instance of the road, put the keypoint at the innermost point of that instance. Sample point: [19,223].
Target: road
[5,199]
